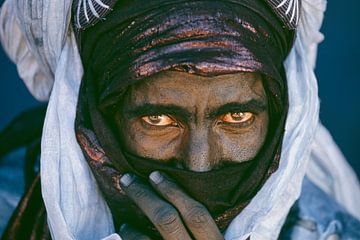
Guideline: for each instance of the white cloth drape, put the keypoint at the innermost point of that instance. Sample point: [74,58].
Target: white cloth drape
[37,37]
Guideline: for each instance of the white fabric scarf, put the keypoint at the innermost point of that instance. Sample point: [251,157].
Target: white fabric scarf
[37,37]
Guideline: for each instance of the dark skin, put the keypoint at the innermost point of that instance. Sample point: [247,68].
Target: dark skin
[192,122]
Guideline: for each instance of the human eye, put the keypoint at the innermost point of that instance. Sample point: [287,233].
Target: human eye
[161,120]
[237,118]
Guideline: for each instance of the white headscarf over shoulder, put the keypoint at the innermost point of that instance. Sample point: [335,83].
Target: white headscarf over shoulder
[38,38]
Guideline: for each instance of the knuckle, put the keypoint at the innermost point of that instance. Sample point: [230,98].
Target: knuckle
[167,219]
[197,216]
[167,191]
[141,193]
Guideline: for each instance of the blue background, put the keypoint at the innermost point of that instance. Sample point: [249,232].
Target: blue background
[337,71]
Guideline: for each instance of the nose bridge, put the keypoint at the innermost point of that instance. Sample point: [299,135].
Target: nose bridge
[198,151]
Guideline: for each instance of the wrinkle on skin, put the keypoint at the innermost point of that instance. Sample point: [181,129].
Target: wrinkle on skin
[198,142]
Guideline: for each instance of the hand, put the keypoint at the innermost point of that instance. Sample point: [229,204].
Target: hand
[179,217]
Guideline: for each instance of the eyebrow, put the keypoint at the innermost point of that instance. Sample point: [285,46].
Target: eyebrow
[147,109]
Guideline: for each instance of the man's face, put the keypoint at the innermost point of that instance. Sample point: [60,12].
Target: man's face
[194,122]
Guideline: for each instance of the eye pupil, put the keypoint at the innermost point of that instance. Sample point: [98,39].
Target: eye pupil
[238,115]
[155,118]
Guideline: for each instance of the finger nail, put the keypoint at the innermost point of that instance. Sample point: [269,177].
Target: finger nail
[156,177]
[126,179]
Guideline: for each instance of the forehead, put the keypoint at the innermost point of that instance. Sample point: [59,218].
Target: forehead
[180,87]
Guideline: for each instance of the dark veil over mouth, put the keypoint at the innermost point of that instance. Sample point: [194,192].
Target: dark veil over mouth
[208,38]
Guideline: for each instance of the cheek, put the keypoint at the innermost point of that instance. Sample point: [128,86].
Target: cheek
[243,146]
[149,143]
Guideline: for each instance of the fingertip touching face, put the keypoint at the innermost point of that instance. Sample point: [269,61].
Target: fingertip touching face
[195,122]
